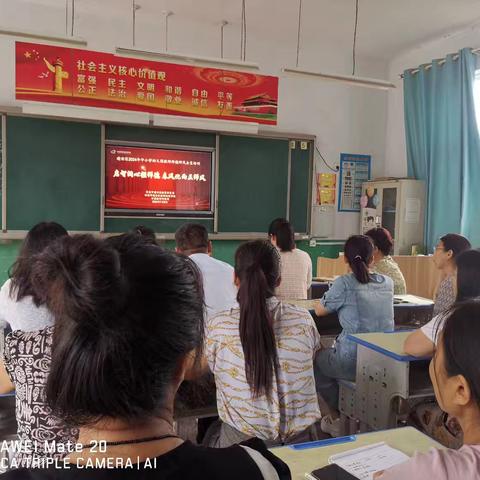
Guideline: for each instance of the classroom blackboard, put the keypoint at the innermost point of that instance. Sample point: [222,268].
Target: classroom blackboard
[300,183]
[54,171]
[253,183]
[123,133]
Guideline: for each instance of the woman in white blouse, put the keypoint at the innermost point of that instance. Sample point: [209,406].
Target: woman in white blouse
[296,265]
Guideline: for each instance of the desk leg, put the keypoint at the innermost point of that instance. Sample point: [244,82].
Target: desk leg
[363,427]
[379,379]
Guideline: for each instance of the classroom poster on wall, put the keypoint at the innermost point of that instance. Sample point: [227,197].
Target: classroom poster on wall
[326,188]
[48,73]
[354,171]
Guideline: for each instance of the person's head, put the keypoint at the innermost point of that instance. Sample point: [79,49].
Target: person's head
[468,275]
[257,274]
[454,368]
[382,242]
[358,253]
[273,228]
[38,238]
[129,318]
[284,237]
[447,248]
[146,233]
[192,238]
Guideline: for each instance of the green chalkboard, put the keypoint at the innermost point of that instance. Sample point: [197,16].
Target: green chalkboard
[117,225]
[53,173]
[54,170]
[155,135]
[299,187]
[253,183]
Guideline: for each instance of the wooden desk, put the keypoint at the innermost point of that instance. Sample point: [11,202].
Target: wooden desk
[400,301]
[419,271]
[413,313]
[331,267]
[387,378]
[389,344]
[407,439]
[318,289]
[329,325]
[307,304]
[420,274]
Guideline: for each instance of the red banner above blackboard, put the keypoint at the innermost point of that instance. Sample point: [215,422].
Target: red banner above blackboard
[48,73]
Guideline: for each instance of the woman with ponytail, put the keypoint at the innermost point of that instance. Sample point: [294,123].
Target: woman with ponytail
[128,330]
[261,352]
[364,303]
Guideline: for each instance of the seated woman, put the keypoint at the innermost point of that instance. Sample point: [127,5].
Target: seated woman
[444,257]
[456,380]
[129,327]
[422,342]
[261,353]
[296,265]
[20,306]
[364,303]
[382,261]
[24,309]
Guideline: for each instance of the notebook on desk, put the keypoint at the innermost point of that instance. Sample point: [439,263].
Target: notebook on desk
[413,299]
[363,462]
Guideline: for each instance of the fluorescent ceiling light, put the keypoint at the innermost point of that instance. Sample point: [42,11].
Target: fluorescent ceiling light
[42,36]
[209,124]
[349,79]
[85,113]
[132,52]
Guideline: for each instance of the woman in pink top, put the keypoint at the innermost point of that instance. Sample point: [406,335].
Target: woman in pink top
[456,380]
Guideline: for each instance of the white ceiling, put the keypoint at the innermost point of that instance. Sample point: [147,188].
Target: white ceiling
[386,27]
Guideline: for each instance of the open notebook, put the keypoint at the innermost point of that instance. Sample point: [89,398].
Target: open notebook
[412,299]
[363,462]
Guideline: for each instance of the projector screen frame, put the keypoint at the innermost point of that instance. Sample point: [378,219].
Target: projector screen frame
[159,213]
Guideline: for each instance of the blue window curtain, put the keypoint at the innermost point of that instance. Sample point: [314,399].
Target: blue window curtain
[443,144]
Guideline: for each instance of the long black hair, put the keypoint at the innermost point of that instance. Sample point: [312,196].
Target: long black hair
[257,266]
[359,252]
[285,236]
[126,313]
[37,239]
[461,343]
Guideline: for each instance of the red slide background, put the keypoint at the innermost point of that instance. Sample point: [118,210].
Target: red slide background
[141,179]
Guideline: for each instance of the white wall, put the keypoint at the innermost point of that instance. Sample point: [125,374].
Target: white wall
[343,118]
[395,152]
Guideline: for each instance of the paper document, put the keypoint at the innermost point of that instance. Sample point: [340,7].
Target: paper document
[365,461]
[413,299]
[412,210]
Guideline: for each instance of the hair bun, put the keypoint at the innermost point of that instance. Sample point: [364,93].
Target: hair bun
[81,279]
